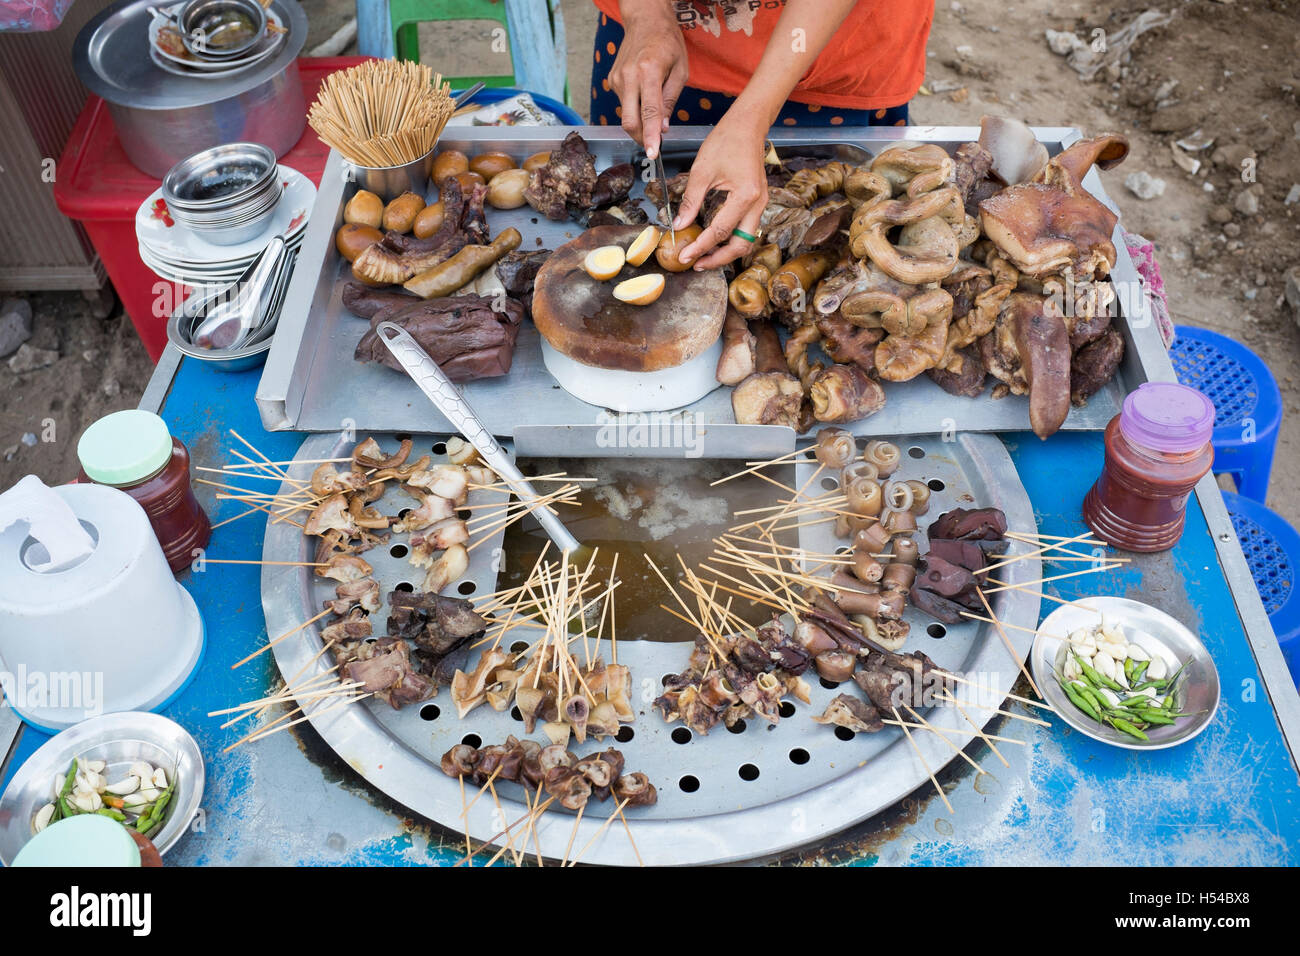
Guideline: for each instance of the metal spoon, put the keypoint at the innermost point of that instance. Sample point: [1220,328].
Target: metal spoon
[243,305]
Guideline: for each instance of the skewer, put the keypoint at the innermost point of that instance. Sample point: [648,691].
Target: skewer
[1018,627]
[1051,537]
[315,713]
[991,690]
[908,734]
[270,644]
[1052,557]
[997,626]
[284,695]
[1034,554]
[983,736]
[761,464]
[242,514]
[997,710]
[1054,577]
[464,812]
[510,840]
[483,789]
[1040,594]
[601,829]
[290,564]
[944,730]
[957,750]
[490,840]
[628,829]
[564,860]
[289,464]
[784,503]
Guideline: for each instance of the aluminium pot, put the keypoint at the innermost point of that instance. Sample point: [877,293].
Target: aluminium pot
[162,118]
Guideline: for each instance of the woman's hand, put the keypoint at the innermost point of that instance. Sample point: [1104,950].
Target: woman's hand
[730,159]
[649,71]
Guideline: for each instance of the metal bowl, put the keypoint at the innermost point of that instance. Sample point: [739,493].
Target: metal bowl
[220,179]
[1197,691]
[181,324]
[119,740]
[201,19]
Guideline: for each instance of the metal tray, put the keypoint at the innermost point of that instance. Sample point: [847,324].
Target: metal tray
[727,818]
[312,383]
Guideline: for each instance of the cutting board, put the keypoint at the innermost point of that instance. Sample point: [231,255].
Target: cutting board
[579,316]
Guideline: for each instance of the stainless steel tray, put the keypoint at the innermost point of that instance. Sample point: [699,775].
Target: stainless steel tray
[312,383]
[728,818]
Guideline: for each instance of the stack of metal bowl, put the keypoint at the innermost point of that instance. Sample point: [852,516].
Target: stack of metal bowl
[226,194]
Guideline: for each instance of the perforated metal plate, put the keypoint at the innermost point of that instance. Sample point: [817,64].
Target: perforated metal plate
[726,797]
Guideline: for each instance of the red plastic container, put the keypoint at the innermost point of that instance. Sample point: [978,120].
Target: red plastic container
[98,186]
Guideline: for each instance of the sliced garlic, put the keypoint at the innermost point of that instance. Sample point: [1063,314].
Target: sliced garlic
[1136,652]
[127,784]
[142,770]
[43,817]
[1157,669]
[97,766]
[160,779]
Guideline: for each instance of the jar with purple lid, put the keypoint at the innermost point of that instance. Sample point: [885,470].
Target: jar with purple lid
[1157,448]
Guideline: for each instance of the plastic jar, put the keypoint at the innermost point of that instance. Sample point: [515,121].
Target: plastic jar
[133,451]
[1157,448]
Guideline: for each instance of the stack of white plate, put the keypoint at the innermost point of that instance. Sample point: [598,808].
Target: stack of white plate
[178,254]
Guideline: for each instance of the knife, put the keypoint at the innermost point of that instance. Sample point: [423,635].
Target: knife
[435,384]
[668,203]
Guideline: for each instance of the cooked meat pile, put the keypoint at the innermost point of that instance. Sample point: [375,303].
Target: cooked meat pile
[992,261]
[595,706]
[743,675]
[962,542]
[568,186]
[465,334]
[573,780]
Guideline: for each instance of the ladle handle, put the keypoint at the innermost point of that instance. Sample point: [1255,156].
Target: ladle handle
[444,394]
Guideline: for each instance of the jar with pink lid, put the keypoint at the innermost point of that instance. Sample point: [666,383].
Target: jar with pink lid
[1157,448]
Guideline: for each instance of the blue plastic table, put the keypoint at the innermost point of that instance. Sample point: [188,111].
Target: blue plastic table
[1231,796]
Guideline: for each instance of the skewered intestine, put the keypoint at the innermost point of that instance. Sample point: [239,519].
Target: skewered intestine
[835,447]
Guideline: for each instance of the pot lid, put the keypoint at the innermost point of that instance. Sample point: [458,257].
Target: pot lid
[111,57]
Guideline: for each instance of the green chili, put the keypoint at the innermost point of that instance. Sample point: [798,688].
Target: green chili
[1128,728]
[1083,703]
[1096,678]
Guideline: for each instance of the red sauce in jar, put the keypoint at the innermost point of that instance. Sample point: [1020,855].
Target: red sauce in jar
[134,452]
[1157,448]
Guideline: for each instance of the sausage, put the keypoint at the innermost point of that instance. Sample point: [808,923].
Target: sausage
[462,268]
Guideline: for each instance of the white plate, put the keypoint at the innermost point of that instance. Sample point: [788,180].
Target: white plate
[155,228]
[237,265]
[1159,634]
[269,43]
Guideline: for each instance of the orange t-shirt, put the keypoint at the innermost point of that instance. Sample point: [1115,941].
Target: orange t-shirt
[876,59]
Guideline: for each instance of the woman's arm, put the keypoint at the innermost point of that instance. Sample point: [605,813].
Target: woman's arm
[731,158]
[650,69]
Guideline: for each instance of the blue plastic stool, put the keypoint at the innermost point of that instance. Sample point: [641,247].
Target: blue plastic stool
[1247,404]
[1272,548]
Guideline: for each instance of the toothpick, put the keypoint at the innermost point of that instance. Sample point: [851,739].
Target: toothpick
[564,860]
[997,710]
[1055,577]
[761,464]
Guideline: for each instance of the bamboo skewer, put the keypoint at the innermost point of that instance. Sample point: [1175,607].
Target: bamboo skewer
[997,626]
[946,730]
[1054,577]
[983,736]
[601,829]
[990,690]
[762,464]
[511,826]
[997,710]
[908,734]
[957,750]
[270,644]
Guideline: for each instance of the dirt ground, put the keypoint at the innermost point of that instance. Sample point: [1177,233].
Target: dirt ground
[1227,72]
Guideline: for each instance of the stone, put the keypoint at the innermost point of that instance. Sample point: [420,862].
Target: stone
[1232,229]
[1247,202]
[28,359]
[29,439]
[1232,155]
[10,452]
[1143,185]
[15,325]
[1291,290]
[1165,90]
[1293,196]
[1175,119]
[1220,214]
[1203,248]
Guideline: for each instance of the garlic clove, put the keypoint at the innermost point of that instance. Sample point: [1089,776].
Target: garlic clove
[142,770]
[85,801]
[160,779]
[43,817]
[97,766]
[149,794]
[58,785]
[127,784]
[134,800]
[1157,669]
[1136,652]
